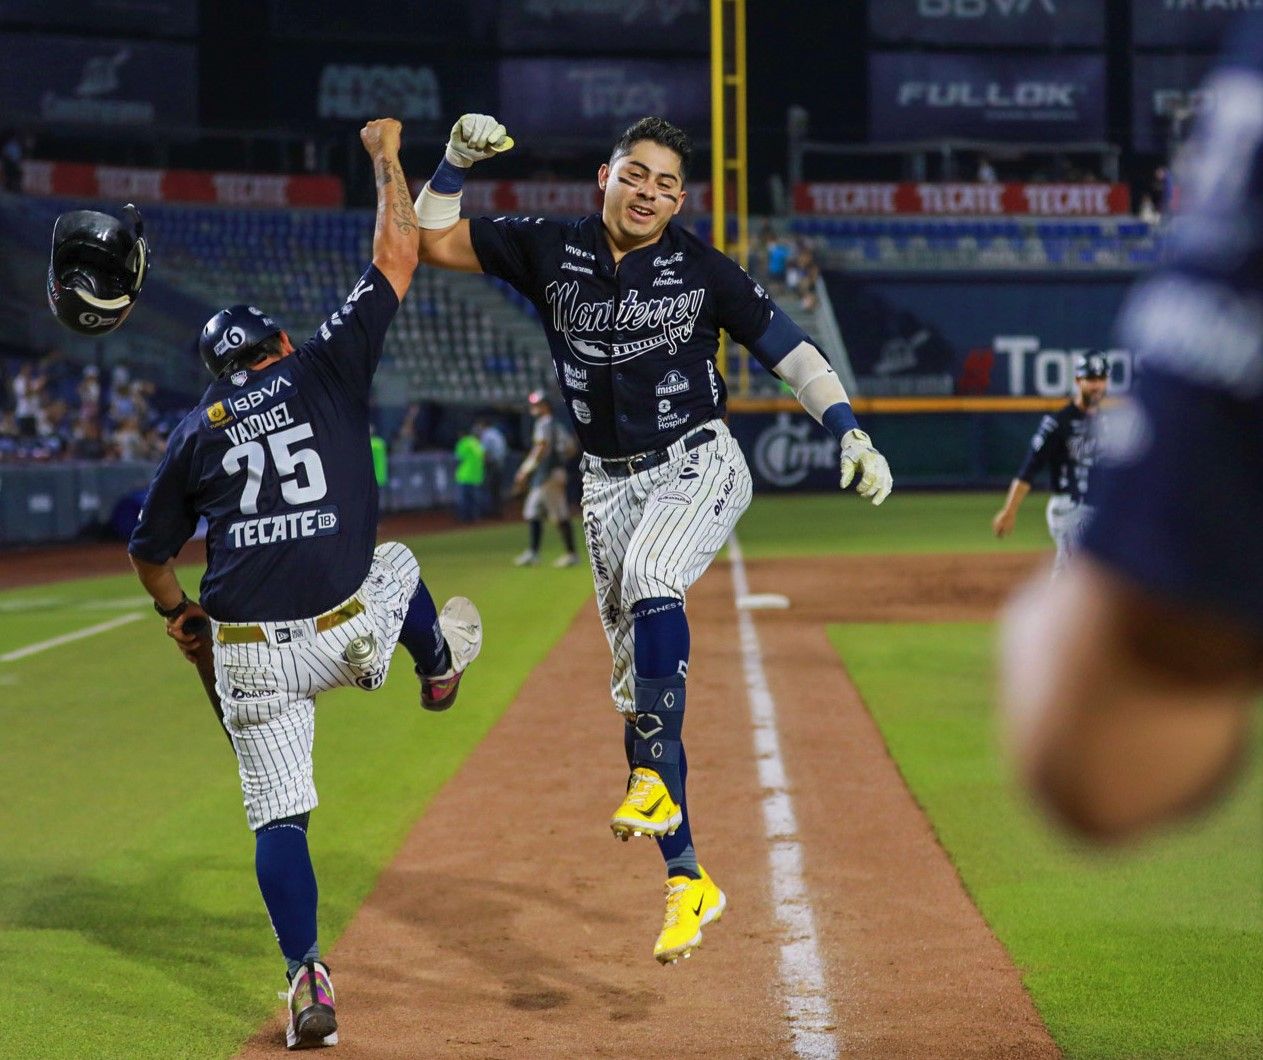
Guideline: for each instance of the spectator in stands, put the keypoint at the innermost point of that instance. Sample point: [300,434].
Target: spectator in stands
[27,385]
[87,441]
[89,390]
[12,152]
[495,451]
[986,171]
[9,437]
[127,443]
[470,472]
[776,253]
[802,274]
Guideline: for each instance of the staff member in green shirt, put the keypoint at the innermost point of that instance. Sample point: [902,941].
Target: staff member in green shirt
[470,471]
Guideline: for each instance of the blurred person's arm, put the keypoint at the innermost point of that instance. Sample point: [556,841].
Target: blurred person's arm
[1122,709]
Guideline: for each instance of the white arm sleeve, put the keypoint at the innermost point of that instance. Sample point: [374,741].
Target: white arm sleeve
[435,210]
[816,385]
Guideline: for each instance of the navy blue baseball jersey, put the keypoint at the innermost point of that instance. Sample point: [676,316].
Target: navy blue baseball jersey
[1180,486]
[1065,444]
[278,460]
[633,346]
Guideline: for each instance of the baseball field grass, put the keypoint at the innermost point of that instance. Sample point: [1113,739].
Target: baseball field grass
[1153,950]
[130,923]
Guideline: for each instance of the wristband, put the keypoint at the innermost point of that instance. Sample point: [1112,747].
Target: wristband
[449,179]
[838,419]
[175,612]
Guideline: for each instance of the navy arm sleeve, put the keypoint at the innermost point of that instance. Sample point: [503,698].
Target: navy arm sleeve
[1037,454]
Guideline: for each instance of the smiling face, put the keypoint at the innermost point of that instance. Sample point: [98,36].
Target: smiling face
[644,189]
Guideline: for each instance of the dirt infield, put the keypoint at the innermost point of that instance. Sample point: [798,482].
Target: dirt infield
[513,925]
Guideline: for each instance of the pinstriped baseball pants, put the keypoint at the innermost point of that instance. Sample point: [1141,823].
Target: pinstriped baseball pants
[268,689]
[653,534]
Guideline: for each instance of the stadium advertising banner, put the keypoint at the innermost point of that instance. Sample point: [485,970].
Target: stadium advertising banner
[961,200]
[1029,23]
[1162,86]
[920,96]
[128,183]
[552,198]
[350,85]
[371,21]
[572,25]
[977,335]
[73,80]
[1185,23]
[599,98]
[169,18]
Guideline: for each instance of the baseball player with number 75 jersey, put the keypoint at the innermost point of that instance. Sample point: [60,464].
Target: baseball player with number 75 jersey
[276,457]
[632,305]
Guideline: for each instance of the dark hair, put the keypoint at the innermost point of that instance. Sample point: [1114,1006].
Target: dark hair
[661,132]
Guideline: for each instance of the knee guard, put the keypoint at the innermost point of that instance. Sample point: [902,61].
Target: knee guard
[657,729]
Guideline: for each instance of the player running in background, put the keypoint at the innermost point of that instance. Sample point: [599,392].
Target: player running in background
[1066,444]
[276,457]
[545,470]
[1129,682]
[632,305]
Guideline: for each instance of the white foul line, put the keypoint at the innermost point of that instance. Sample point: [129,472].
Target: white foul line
[66,638]
[802,969]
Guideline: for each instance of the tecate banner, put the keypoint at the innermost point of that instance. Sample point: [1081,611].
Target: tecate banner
[637,26]
[72,80]
[1032,23]
[920,96]
[1185,23]
[1164,86]
[599,98]
[961,200]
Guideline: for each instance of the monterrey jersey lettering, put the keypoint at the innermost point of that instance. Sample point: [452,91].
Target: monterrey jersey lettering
[625,337]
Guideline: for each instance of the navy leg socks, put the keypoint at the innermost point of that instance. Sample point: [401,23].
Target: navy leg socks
[421,634]
[287,882]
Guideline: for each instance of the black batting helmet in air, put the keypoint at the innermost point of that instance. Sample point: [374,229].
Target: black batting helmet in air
[1092,365]
[230,336]
[96,269]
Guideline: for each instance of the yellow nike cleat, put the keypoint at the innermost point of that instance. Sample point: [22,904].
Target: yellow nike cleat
[691,905]
[647,809]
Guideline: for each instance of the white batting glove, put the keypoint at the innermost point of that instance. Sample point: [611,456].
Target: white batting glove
[475,137]
[858,453]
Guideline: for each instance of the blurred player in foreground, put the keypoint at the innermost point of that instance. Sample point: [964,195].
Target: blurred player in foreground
[276,457]
[632,305]
[1129,682]
[1066,444]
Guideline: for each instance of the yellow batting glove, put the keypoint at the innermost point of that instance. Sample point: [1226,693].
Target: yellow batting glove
[859,455]
[475,137]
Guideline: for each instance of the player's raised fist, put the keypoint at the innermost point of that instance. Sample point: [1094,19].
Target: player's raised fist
[381,136]
[475,137]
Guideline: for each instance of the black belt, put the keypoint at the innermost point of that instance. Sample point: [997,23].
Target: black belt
[644,461]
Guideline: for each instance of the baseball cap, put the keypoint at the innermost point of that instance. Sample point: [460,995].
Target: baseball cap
[536,397]
[1092,365]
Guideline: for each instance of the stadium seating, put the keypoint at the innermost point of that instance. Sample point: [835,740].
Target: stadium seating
[446,343]
[969,243]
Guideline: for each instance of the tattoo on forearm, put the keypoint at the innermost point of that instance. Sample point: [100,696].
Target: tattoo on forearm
[405,215]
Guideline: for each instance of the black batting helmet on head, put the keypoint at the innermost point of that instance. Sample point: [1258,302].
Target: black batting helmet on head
[1092,365]
[96,269]
[229,337]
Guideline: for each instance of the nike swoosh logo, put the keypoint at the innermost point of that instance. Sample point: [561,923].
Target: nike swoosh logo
[698,910]
[656,803]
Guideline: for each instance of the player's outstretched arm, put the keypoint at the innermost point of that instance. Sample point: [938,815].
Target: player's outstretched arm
[396,233]
[445,240]
[787,350]
[1122,710]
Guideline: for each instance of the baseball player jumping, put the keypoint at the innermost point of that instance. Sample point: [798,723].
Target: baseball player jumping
[276,457]
[1066,444]
[632,305]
